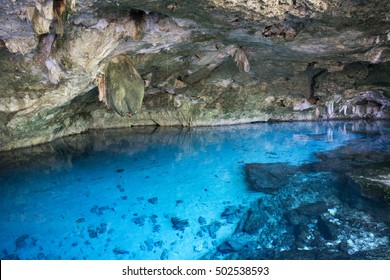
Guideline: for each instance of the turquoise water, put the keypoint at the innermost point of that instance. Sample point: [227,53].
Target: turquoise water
[150,193]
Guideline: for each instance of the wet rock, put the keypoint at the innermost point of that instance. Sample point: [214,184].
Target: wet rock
[179,224]
[156,228]
[255,222]
[268,177]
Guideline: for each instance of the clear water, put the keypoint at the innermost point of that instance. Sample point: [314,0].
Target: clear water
[113,194]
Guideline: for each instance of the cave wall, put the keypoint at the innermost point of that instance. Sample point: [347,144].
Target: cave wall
[205,63]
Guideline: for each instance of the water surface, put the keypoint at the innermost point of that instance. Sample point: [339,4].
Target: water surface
[149,193]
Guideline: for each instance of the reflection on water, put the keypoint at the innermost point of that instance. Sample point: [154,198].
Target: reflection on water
[151,193]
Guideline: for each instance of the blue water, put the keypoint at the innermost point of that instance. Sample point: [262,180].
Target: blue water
[114,194]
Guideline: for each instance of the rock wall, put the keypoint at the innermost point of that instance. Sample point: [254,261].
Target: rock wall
[205,63]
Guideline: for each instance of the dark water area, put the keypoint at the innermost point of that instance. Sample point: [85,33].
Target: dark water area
[305,190]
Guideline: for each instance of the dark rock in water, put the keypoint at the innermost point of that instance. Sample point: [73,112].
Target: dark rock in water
[268,177]
[327,229]
[92,233]
[164,255]
[118,251]
[179,224]
[313,209]
[153,200]
[156,228]
[373,180]
[140,220]
[120,188]
[294,218]
[301,233]
[153,218]
[230,213]
[213,229]
[81,220]
[20,242]
[102,228]
[120,170]
[99,210]
[255,221]
[236,243]
[202,220]
[149,244]
[179,202]
[225,248]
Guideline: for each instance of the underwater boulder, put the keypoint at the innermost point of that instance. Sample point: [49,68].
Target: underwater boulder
[125,87]
[268,177]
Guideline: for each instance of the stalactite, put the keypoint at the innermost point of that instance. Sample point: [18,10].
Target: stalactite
[241,60]
[343,109]
[318,114]
[100,81]
[72,4]
[330,108]
[59,7]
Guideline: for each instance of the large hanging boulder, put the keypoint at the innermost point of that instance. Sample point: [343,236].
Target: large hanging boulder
[125,87]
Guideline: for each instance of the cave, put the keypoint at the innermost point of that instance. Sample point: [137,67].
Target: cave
[214,130]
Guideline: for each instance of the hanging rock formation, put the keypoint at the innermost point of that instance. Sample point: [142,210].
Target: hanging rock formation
[125,87]
[255,61]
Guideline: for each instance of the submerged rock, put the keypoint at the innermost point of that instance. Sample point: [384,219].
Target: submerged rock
[255,221]
[374,180]
[327,229]
[179,224]
[268,177]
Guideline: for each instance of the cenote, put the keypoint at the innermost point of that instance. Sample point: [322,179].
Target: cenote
[304,190]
